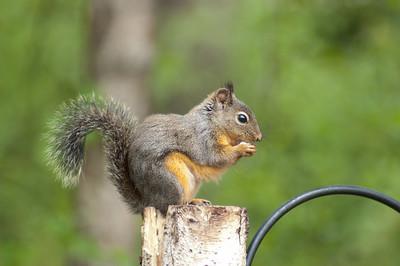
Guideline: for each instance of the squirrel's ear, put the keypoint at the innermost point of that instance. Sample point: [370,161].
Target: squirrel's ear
[229,86]
[223,97]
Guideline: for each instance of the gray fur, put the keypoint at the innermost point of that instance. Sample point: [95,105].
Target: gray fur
[66,139]
[135,153]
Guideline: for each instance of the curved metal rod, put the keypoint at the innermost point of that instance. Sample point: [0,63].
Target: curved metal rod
[313,194]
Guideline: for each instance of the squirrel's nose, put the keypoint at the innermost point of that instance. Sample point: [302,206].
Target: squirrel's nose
[259,137]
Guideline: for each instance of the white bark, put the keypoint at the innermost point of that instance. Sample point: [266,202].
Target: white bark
[195,235]
[152,236]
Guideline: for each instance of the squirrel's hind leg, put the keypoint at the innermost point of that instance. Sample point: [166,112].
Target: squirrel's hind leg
[177,165]
[202,202]
[158,187]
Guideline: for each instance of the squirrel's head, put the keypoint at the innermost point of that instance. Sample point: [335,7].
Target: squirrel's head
[232,116]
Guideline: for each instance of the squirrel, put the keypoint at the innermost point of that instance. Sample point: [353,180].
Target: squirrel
[163,160]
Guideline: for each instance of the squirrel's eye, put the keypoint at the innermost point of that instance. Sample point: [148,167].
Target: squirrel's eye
[242,118]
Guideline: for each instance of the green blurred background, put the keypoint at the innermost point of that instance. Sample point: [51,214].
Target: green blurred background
[322,77]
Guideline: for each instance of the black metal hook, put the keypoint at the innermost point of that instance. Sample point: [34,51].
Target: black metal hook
[313,194]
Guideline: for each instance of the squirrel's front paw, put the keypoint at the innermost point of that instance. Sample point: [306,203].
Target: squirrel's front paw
[246,149]
[200,202]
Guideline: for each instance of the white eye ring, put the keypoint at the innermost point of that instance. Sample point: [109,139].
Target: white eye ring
[242,118]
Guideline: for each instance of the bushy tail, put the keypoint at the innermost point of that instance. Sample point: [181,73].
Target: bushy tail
[66,139]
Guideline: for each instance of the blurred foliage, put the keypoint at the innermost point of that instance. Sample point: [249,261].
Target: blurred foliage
[42,51]
[322,77]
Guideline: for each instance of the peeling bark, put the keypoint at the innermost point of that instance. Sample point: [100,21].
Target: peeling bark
[195,235]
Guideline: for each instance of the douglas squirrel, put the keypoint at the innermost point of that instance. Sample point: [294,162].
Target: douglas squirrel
[162,160]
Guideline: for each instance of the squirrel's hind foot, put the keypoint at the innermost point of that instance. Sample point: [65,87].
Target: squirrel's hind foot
[202,202]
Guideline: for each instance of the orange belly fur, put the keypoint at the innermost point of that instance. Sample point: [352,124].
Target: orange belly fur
[190,174]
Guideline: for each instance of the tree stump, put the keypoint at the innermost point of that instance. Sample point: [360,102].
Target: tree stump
[195,235]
